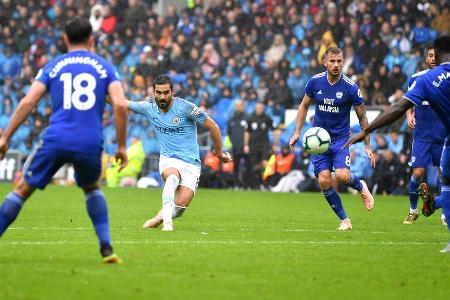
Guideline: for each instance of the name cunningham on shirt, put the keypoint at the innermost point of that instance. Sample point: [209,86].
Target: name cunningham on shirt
[86,60]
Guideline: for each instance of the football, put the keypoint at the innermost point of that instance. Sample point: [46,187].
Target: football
[316,140]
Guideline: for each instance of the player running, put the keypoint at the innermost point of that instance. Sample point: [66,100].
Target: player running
[434,87]
[429,136]
[78,83]
[335,94]
[175,122]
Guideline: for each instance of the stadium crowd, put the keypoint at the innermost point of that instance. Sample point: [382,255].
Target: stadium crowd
[218,52]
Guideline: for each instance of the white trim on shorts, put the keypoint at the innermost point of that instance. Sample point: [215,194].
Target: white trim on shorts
[30,157]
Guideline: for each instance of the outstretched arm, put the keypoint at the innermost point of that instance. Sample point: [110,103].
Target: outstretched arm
[364,123]
[26,105]
[387,117]
[217,140]
[301,116]
[118,102]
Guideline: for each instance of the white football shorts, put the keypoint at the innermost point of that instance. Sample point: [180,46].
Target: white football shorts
[190,174]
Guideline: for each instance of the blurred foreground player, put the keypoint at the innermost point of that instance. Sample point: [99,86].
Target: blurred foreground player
[78,83]
[434,87]
[429,137]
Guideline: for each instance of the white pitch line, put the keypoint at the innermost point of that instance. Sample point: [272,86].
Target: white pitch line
[231,242]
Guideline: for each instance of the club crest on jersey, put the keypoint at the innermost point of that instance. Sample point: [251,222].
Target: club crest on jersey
[339,95]
[176,120]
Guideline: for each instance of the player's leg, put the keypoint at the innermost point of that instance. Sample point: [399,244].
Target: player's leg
[13,203]
[414,184]
[322,168]
[87,172]
[171,177]
[37,172]
[445,189]
[341,162]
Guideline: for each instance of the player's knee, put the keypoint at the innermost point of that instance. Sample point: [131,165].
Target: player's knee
[172,180]
[23,189]
[178,211]
[418,174]
[324,182]
[343,178]
[90,187]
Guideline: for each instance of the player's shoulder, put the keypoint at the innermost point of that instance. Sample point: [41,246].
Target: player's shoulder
[319,75]
[414,76]
[348,81]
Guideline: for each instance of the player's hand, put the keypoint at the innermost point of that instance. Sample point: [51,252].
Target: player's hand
[121,156]
[355,138]
[411,120]
[3,148]
[373,161]
[246,149]
[224,157]
[293,141]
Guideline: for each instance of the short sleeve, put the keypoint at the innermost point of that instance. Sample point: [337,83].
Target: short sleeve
[194,113]
[356,94]
[113,75]
[415,92]
[43,77]
[309,89]
[141,107]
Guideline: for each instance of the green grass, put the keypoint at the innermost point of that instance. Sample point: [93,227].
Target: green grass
[228,245]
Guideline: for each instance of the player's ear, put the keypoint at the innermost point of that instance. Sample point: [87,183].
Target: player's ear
[91,42]
[66,39]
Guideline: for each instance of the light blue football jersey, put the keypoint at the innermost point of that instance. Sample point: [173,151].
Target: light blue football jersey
[78,84]
[333,103]
[176,130]
[434,87]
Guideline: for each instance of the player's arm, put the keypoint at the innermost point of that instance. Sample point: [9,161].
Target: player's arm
[217,139]
[391,114]
[364,123]
[118,102]
[23,110]
[301,116]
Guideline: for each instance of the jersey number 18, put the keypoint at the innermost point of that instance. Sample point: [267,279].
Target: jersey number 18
[74,98]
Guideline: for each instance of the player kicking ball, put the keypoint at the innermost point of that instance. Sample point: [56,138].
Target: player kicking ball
[434,87]
[335,94]
[429,137]
[78,83]
[175,121]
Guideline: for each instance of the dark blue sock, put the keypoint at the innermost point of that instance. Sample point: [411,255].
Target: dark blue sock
[445,199]
[355,183]
[9,210]
[335,202]
[98,212]
[438,202]
[413,192]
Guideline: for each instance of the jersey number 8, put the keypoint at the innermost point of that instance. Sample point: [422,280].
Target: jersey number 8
[79,90]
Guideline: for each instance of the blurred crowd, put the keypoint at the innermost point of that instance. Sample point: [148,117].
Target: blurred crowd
[221,52]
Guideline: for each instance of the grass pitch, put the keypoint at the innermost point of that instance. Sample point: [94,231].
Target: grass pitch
[228,245]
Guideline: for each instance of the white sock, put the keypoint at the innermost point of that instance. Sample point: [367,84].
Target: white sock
[168,197]
[442,217]
[412,211]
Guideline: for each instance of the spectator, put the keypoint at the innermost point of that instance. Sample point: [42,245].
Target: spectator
[400,42]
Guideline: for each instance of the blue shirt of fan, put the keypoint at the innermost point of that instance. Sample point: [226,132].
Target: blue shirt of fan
[434,87]
[333,103]
[176,130]
[78,84]
[429,127]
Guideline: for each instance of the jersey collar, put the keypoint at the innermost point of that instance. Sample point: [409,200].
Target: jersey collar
[336,80]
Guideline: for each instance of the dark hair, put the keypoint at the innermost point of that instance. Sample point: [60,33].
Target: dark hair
[163,79]
[78,30]
[442,44]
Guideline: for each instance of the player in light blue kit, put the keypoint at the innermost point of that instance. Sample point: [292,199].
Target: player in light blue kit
[429,136]
[78,83]
[335,94]
[175,121]
[434,87]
